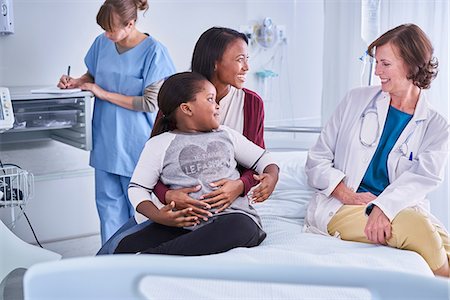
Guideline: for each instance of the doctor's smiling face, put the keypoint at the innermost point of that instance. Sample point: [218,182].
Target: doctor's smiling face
[391,69]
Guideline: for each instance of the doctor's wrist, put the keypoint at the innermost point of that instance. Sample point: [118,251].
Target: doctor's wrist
[344,194]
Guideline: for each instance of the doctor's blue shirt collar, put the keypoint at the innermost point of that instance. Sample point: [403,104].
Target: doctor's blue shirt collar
[422,108]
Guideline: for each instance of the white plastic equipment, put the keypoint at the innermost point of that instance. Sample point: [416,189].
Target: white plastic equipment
[16,253]
[16,188]
[6,110]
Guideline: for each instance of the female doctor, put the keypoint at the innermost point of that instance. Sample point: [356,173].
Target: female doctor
[125,71]
[381,153]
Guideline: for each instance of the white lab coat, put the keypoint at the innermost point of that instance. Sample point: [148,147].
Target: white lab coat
[339,155]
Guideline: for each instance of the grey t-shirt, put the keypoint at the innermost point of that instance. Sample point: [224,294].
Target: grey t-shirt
[190,159]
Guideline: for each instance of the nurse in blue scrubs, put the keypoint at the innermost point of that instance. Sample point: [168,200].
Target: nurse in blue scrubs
[125,71]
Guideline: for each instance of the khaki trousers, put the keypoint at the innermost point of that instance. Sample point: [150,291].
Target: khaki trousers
[411,230]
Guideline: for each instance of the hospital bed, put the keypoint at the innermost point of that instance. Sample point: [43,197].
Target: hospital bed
[289,264]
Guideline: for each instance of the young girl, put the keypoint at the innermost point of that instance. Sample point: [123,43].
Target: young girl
[190,148]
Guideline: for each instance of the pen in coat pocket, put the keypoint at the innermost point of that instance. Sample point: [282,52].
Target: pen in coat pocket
[411,156]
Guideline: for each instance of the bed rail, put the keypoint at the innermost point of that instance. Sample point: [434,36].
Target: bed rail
[118,277]
[296,129]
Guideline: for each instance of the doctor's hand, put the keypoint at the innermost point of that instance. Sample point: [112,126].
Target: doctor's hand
[264,189]
[182,200]
[348,197]
[179,218]
[228,191]
[360,198]
[378,227]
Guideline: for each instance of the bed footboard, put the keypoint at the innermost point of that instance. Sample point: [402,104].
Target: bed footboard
[118,277]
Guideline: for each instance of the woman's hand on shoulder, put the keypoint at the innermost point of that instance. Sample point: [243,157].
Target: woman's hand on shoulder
[182,200]
[378,227]
[228,191]
[176,218]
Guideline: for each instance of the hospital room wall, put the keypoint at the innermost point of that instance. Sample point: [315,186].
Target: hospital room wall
[50,35]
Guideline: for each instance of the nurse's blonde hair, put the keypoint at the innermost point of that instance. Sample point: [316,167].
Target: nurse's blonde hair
[125,10]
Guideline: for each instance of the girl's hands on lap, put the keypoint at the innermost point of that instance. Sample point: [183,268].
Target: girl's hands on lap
[179,218]
[182,200]
[228,191]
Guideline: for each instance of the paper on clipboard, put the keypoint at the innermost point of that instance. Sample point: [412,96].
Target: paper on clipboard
[54,90]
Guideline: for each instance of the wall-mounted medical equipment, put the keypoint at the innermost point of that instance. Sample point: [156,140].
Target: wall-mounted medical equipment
[6,110]
[265,77]
[6,17]
[16,185]
[265,33]
[62,117]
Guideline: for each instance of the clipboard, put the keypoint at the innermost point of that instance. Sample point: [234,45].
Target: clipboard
[54,90]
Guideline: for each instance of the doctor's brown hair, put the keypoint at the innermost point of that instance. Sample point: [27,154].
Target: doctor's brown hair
[177,89]
[415,49]
[125,10]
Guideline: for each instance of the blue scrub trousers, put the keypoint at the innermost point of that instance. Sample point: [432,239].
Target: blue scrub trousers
[113,206]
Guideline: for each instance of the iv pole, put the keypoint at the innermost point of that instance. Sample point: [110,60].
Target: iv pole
[370,26]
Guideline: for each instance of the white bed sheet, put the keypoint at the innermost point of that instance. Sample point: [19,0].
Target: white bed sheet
[286,244]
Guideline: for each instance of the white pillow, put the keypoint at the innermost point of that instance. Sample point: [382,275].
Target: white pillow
[292,192]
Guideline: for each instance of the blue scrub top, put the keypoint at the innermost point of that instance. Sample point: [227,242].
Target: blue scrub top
[376,178]
[119,134]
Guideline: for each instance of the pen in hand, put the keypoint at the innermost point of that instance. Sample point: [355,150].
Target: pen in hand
[68,76]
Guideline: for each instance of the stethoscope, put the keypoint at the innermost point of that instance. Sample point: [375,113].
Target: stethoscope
[368,118]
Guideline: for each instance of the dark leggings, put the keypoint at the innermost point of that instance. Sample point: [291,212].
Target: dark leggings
[225,232]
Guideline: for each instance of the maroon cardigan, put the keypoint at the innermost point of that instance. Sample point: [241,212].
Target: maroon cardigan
[253,130]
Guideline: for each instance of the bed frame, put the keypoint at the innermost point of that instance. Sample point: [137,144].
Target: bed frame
[122,277]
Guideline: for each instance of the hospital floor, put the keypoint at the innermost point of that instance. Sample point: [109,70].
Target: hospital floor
[83,246]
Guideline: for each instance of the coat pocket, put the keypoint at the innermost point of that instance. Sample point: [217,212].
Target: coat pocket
[404,164]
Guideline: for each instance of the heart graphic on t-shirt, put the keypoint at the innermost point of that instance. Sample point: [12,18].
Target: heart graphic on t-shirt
[207,165]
